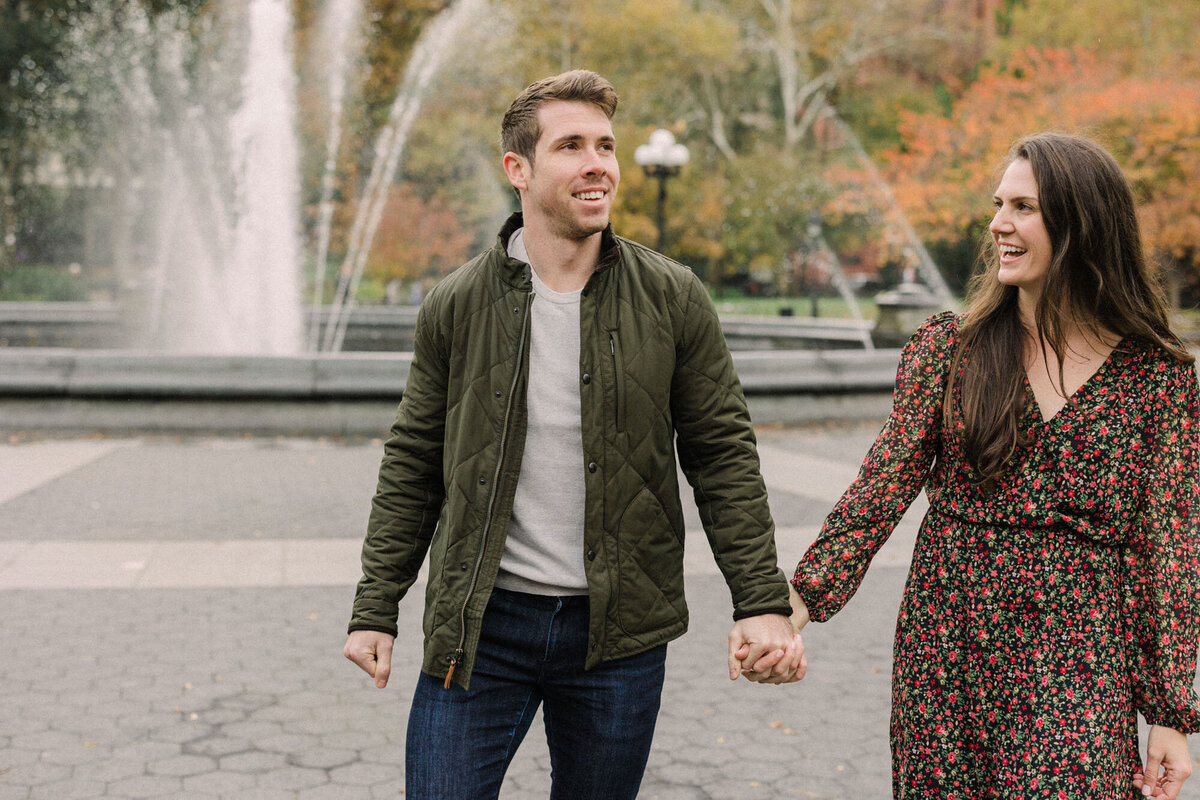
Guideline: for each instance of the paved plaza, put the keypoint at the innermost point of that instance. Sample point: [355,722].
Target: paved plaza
[173,613]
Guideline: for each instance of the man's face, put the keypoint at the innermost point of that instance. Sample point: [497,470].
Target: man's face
[569,187]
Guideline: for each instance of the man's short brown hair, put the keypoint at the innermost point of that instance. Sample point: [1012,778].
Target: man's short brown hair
[519,131]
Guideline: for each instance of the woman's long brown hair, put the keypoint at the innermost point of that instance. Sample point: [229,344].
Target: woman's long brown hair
[1098,278]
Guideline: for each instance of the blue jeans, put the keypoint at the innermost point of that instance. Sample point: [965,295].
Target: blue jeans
[598,722]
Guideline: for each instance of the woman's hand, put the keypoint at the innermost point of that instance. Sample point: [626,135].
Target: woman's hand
[1168,763]
[765,670]
[799,609]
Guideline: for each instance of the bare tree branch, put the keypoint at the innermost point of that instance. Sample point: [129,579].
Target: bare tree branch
[716,119]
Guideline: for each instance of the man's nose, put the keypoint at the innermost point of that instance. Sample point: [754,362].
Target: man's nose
[594,164]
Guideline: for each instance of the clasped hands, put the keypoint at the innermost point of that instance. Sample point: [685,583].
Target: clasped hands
[765,649]
[768,648]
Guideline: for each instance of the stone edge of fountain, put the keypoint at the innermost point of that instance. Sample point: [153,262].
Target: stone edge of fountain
[60,372]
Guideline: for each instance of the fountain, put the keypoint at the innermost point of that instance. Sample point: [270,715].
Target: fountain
[193,116]
[206,160]
[261,291]
[206,239]
[216,231]
[214,163]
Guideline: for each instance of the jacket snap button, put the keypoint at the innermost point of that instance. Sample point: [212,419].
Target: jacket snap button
[592,466]
[591,555]
[586,379]
[498,393]
[482,480]
[463,566]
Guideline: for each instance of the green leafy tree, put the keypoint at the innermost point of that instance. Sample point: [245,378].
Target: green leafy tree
[34,105]
[1134,36]
[747,85]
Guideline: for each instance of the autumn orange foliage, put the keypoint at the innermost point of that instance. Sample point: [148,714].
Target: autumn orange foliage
[944,172]
[417,237]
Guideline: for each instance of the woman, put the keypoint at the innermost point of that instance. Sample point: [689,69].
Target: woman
[1054,590]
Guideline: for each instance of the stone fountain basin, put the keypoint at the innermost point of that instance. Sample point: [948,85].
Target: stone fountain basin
[48,389]
[49,372]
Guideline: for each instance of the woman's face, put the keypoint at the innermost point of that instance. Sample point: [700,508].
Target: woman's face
[1018,230]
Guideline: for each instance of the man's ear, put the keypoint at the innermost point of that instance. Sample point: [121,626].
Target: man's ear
[517,169]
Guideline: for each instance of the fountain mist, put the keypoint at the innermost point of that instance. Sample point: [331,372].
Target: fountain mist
[431,50]
[261,281]
[337,25]
[200,141]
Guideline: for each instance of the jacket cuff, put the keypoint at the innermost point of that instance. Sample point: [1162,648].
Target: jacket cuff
[377,628]
[783,610]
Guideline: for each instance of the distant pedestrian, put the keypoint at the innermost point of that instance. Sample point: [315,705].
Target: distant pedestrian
[533,458]
[1055,586]
[392,292]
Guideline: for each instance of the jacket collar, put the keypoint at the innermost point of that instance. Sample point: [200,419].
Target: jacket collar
[516,272]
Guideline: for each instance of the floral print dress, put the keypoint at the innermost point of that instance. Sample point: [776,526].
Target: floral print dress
[1039,619]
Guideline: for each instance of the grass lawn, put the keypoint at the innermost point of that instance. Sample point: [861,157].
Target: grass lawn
[1186,321]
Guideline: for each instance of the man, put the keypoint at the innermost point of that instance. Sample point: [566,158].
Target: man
[533,457]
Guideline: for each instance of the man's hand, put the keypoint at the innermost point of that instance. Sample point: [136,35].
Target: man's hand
[1166,752]
[372,651]
[767,669]
[766,650]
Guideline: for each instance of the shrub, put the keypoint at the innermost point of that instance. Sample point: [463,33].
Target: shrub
[41,282]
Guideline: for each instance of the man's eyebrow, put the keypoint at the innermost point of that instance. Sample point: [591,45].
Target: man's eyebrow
[578,137]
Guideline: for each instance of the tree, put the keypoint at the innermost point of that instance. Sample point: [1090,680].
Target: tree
[1135,36]
[944,171]
[418,237]
[374,56]
[744,84]
[33,44]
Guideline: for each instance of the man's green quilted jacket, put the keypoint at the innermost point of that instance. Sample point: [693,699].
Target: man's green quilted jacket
[653,364]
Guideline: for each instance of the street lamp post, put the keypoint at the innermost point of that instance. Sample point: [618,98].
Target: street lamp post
[661,159]
[815,250]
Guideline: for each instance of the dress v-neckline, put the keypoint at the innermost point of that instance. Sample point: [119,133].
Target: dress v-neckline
[1070,400]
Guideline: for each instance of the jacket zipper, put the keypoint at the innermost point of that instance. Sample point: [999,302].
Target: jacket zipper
[487,520]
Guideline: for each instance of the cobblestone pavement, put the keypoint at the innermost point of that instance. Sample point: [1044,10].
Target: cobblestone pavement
[173,612]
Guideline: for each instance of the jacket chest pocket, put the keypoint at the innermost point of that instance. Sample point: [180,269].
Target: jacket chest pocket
[619,383]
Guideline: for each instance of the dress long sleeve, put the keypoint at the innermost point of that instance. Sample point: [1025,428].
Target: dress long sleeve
[891,475]
[1160,568]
